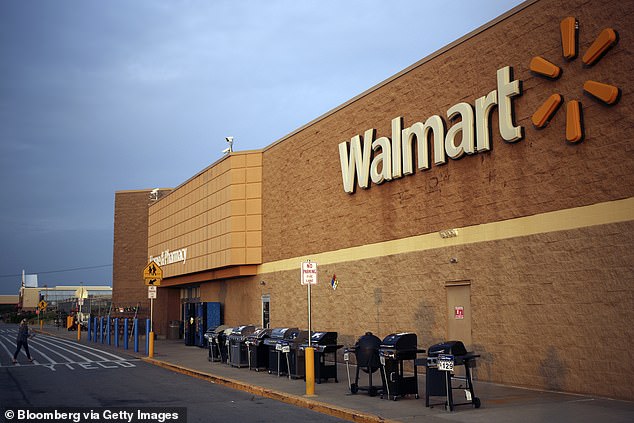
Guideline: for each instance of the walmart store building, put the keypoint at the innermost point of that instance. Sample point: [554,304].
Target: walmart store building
[485,194]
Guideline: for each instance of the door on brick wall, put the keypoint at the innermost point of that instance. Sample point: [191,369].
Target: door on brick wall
[459,312]
[459,315]
[266,311]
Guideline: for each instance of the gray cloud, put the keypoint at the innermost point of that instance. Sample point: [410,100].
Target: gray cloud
[102,96]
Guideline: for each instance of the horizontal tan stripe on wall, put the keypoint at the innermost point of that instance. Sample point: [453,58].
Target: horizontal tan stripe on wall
[562,220]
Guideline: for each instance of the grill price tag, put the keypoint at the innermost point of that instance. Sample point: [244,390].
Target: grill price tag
[445,362]
[286,348]
[278,347]
[346,356]
[382,360]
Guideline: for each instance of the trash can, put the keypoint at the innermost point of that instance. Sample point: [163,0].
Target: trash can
[173,329]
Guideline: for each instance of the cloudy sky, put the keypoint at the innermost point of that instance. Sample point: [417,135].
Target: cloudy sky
[101,96]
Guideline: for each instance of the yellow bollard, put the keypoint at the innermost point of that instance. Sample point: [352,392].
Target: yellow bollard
[41,324]
[151,345]
[78,332]
[310,371]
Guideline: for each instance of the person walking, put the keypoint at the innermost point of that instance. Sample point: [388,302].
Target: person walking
[22,341]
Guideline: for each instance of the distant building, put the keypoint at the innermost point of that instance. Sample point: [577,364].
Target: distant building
[64,296]
[9,300]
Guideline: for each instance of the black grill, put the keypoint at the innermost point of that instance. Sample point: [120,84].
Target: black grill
[238,350]
[395,349]
[258,352]
[325,345]
[440,382]
[275,362]
[217,343]
[366,352]
[295,358]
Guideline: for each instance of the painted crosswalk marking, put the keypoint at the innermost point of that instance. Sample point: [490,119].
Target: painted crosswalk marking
[52,353]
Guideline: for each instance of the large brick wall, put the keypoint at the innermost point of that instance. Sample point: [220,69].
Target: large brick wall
[216,216]
[307,211]
[549,311]
[130,249]
[543,305]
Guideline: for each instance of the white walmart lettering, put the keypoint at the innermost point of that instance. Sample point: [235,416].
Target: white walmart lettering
[383,159]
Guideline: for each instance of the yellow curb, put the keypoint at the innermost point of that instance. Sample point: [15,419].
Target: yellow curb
[299,401]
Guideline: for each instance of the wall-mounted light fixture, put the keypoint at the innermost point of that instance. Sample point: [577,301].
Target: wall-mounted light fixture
[448,233]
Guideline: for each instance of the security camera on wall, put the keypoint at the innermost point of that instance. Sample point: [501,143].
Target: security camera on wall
[230,148]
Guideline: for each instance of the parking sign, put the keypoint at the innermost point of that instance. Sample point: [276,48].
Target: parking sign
[309,273]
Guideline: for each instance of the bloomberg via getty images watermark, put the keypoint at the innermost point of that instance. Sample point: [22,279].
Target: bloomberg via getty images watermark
[95,414]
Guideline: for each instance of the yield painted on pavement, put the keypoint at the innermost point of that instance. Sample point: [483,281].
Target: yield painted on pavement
[52,353]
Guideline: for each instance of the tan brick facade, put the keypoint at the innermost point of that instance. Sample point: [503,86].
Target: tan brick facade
[544,229]
[541,304]
[216,216]
[130,248]
[538,174]
[130,257]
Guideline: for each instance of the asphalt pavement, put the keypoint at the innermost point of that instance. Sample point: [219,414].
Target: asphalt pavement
[499,403]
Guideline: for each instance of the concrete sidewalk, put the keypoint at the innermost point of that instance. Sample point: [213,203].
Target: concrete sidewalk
[499,403]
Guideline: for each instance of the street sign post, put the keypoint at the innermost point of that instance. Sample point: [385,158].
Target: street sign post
[309,278]
[80,293]
[152,274]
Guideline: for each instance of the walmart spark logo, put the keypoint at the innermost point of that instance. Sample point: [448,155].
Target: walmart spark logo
[606,93]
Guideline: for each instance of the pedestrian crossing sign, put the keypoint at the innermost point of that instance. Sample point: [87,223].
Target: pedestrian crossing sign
[152,274]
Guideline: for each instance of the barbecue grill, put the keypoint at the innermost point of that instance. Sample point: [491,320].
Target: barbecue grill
[366,351]
[224,345]
[275,362]
[395,349]
[295,358]
[325,345]
[258,353]
[440,363]
[239,353]
[216,340]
